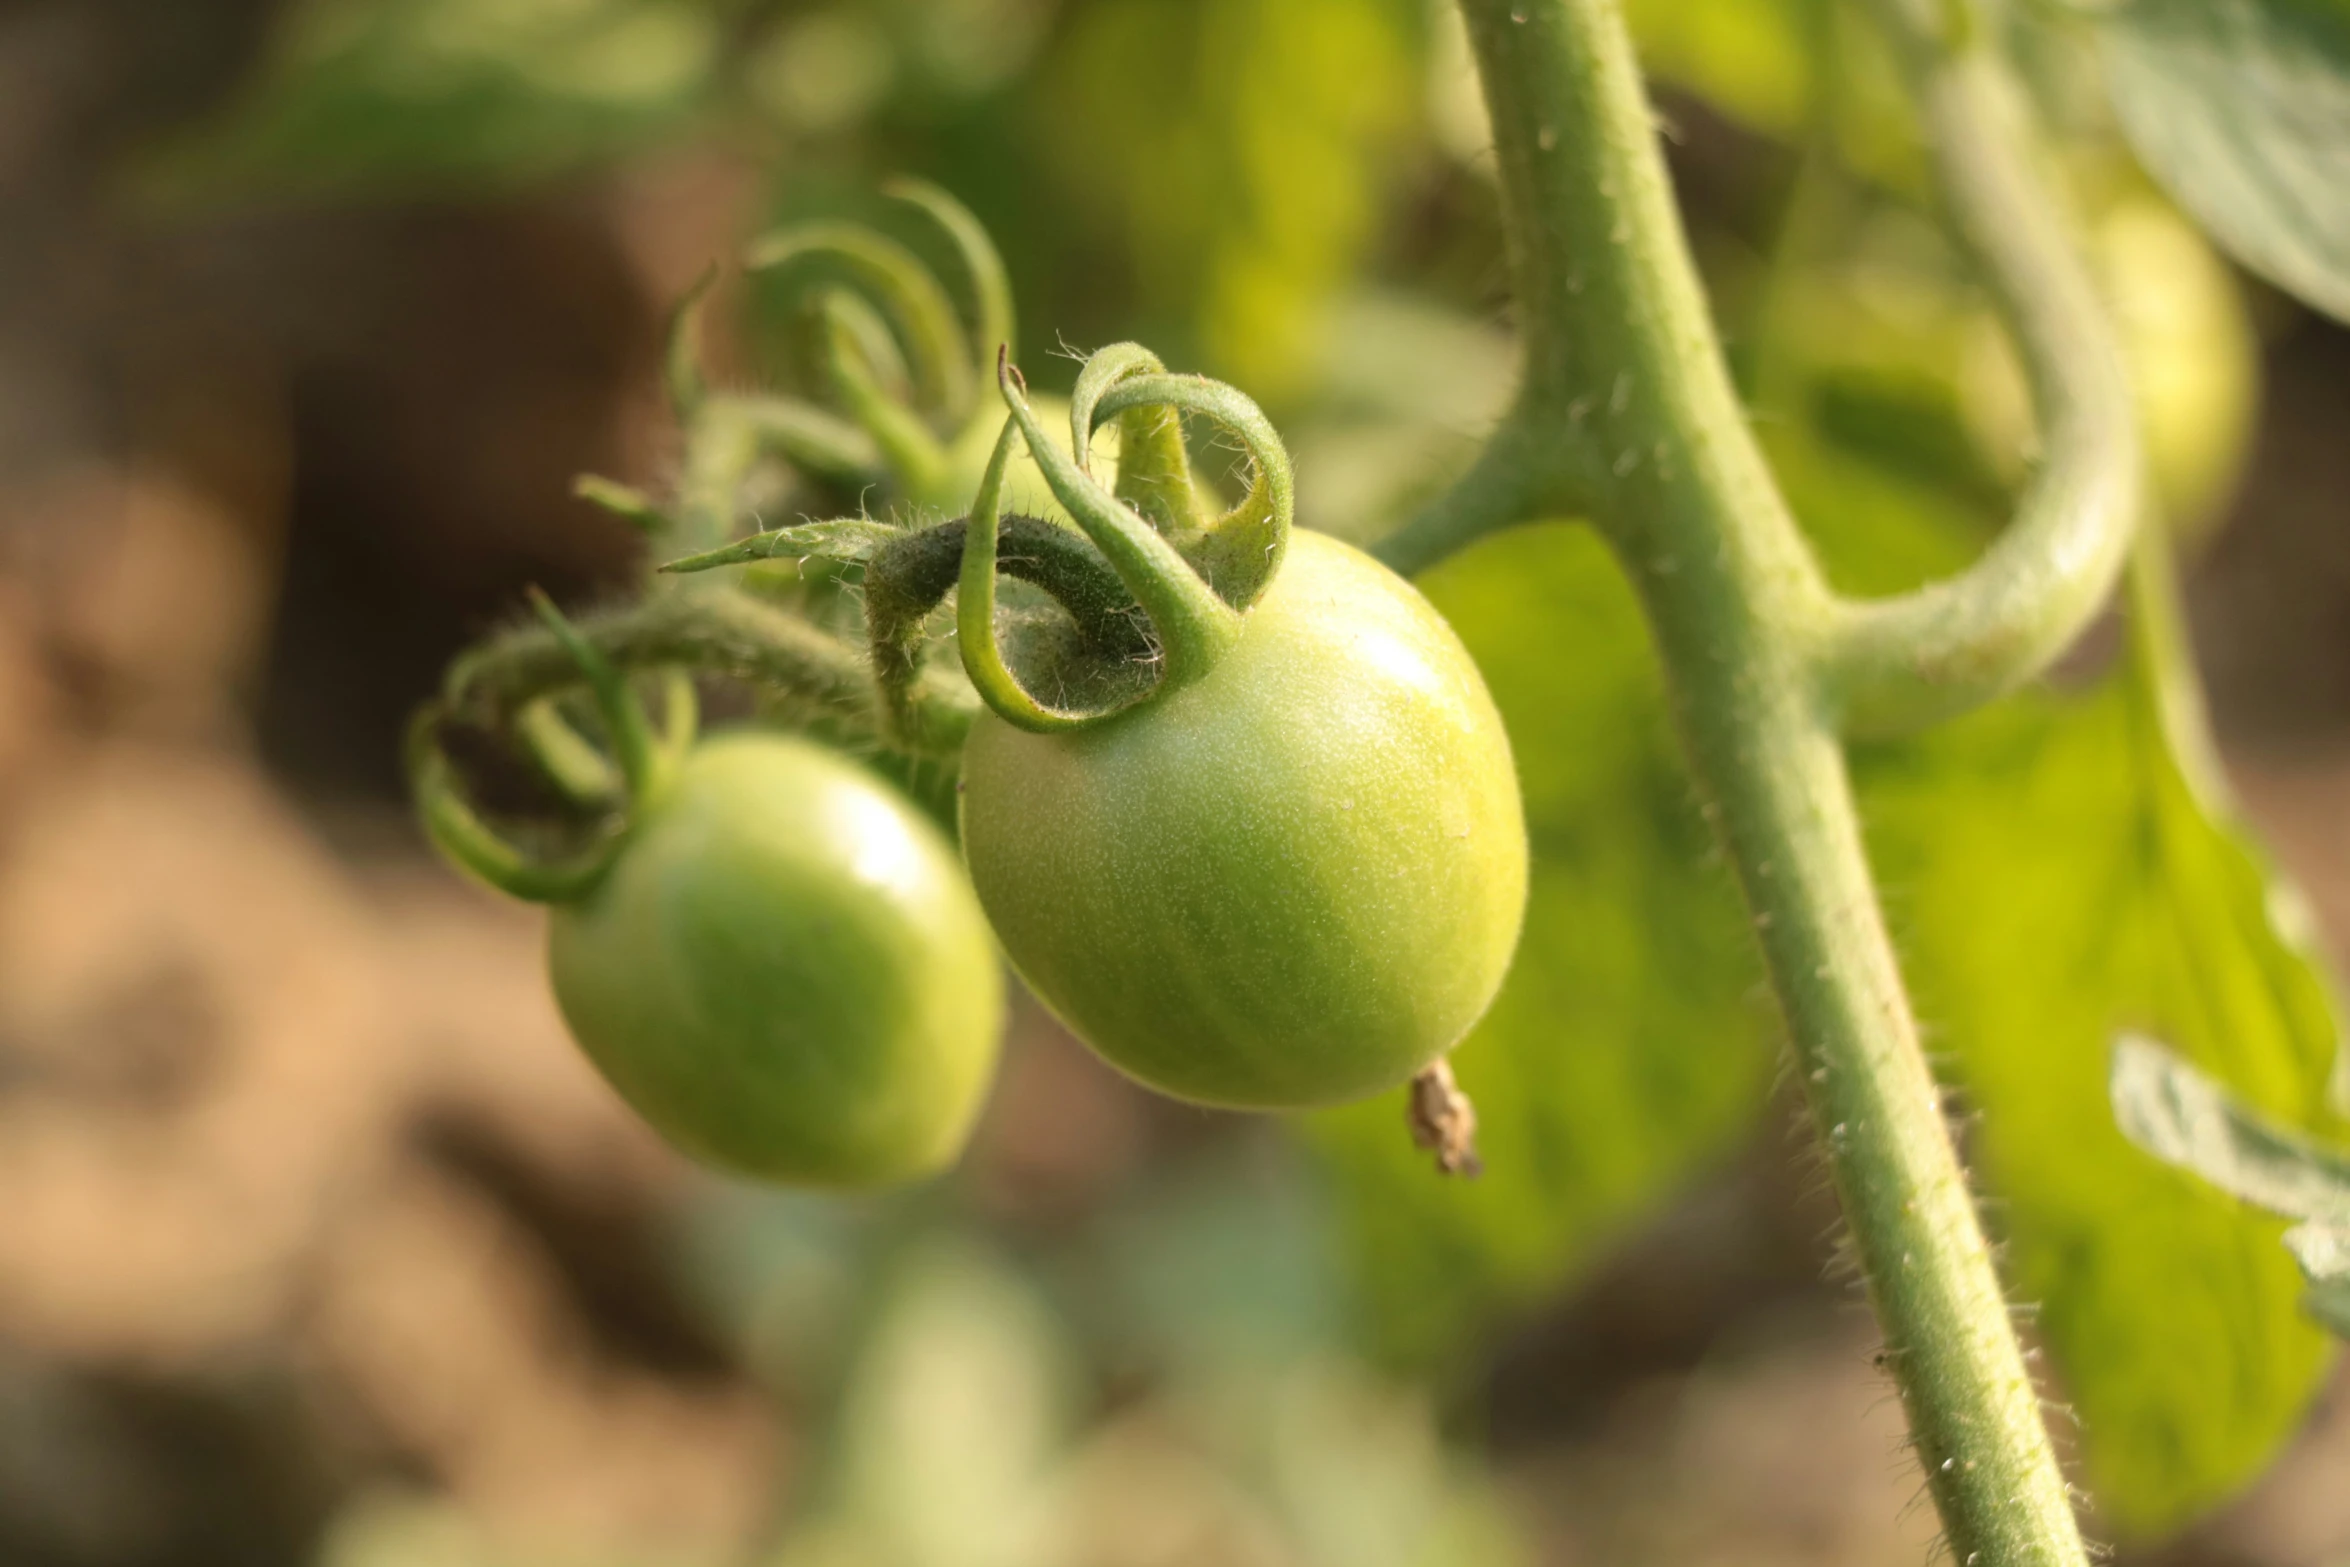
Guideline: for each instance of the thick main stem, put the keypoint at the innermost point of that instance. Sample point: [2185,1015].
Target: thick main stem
[1624,373]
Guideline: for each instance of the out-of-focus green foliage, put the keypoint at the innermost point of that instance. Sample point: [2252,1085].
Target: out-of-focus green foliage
[965,1431]
[2242,108]
[2180,1116]
[362,94]
[1242,151]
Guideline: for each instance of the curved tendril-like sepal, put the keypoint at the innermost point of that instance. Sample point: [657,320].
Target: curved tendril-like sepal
[1194,627]
[574,766]
[578,771]
[641,758]
[905,442]
[641,762]
[1899,664]
[1239,552]
[975,617]
[458,831]
[848,540]
[1154,466]
[894,280]
[625,501]
[681,357]
[809,438]
[983,264]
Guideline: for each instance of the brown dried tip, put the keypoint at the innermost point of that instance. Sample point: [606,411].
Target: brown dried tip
[1444,1122]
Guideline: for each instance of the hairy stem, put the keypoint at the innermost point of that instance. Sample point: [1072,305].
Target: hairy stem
[1625,383]
[717,631]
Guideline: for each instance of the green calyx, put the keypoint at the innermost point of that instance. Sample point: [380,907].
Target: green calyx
[1191,571]
[616,784]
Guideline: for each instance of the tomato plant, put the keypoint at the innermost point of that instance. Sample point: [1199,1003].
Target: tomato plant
[1237,803]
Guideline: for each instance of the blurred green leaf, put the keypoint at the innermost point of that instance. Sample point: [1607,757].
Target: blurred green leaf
[955,1410]
[1236,151]
[2054,876]
[2242,109]
[2323,1250]
[369,95]
[2182,1117]
[1630,1045]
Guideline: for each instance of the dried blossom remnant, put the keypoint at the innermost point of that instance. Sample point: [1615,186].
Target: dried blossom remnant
[1444,1122]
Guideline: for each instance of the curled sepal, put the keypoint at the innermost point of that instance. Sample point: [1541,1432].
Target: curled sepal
[1154,466]
[848,358]
[849,540]
[1194,627]
[894,280]
[578,771]
[681,359]
[642,759]
[470,843]
[1239,552]
[991,285]
[975,615]
[630,504]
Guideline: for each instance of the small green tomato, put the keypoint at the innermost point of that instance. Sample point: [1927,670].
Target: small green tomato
[785,970]
[1293,881]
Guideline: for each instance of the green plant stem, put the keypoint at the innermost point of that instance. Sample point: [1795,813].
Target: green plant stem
[1901,663]
[1625,378]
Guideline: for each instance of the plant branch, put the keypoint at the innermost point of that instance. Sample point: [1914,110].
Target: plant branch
[1509,483]
[1627,403]
[1902,663]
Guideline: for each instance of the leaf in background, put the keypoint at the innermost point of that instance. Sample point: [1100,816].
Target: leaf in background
[2182,1117]
[955,1411]
[409,94]
[2323,1250]
[2242,109]
[2054,877]
[1630,1045]
[1239,150]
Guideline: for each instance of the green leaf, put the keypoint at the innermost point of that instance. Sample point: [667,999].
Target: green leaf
[2054,877]
[2242,109]
[2182,1117]
[1239,147]
[1631,1044]
[2323,1250]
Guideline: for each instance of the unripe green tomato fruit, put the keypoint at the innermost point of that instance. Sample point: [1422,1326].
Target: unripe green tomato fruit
[1294,881]
[785,970]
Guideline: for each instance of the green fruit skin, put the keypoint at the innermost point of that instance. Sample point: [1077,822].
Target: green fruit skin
[1293,882]
[786,971]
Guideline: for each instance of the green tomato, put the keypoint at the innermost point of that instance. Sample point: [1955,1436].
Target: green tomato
[785,970]
[1294,881]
